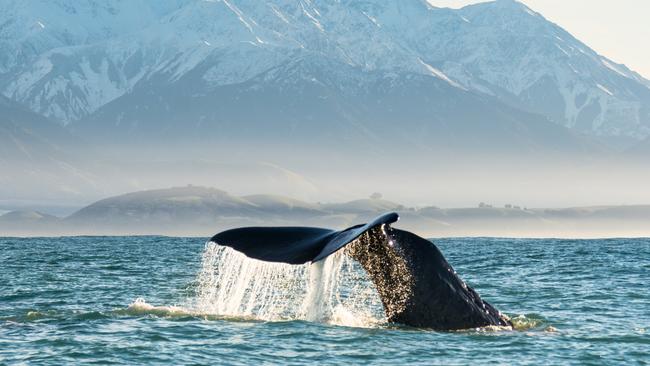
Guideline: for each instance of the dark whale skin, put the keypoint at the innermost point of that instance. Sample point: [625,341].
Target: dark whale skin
[415,283]
[295,245]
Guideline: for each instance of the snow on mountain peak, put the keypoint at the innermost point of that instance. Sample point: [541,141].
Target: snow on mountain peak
[66,59]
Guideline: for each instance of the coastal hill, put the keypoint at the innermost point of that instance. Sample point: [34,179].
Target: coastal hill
[203,211]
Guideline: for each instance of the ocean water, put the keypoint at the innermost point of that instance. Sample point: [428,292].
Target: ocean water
[160,300]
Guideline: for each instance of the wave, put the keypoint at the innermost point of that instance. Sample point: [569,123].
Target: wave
[140,307]
[233,287]
[34,316]
[340,316]
[523,322]
[337,291]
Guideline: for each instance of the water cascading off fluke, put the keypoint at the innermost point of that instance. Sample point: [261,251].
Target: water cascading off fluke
[416,284]
[335,290]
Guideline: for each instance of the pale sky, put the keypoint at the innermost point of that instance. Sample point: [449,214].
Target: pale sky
[617,29]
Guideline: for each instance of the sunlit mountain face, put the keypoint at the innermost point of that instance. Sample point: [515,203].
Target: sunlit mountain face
[308,86]
[93,64]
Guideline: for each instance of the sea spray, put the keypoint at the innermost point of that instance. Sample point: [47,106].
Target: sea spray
[335,290]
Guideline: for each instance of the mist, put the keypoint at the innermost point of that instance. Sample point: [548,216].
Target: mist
[438,192]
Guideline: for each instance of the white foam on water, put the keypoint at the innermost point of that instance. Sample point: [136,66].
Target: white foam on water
[140,306]
[335,290]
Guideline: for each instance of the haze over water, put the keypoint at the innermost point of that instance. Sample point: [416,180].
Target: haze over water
[134,300]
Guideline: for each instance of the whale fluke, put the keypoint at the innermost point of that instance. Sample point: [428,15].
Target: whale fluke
[294,245]
[416,284]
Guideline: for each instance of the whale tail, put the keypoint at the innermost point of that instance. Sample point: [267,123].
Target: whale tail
[295,245]
[416,284]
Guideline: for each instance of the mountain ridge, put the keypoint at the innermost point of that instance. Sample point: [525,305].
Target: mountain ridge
[208,92]
[470,48]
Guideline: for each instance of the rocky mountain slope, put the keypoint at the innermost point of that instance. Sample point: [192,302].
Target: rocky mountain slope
[144,69]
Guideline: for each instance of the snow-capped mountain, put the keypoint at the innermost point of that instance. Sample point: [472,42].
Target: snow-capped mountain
[316,67]
[53,51]
[506,49]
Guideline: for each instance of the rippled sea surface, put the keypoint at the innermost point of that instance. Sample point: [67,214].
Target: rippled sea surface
[79,300]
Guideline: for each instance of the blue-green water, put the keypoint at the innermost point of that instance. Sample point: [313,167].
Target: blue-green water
[72,300]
